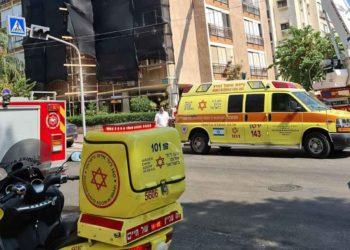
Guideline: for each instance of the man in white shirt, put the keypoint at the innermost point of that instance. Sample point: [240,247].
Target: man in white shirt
[162,118]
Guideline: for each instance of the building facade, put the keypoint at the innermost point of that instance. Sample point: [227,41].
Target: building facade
[232,31]
[207,37]
[283,14]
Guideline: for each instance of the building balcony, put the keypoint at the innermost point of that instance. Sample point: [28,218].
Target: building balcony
[258,40]
[252,9]
[224,32]
[258,72]
[5,4]
[322,15]
[219,68]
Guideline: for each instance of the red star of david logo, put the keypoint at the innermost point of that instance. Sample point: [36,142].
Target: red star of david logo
[101,181]
[202,105]
[160,162]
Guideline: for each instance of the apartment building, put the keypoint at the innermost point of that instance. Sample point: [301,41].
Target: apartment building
[283,14]
[206,36]
[232,31]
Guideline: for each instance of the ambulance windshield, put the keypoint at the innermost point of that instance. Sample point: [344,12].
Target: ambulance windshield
[311,101]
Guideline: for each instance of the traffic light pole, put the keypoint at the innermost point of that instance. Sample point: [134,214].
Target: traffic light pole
[82,98]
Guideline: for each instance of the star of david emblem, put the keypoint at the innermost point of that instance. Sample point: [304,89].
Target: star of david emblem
[160,162]
[202,105]
[101,181]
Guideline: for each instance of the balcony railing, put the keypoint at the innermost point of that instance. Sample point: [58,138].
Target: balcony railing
[219,68]
[222,1]
[255,39]
[258,71]
[7,4]
[249,8]
[224,32]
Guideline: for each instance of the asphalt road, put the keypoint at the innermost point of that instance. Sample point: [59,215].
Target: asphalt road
[232,201]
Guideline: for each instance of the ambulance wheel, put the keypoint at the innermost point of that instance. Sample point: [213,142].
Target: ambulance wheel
[199,143]
[317,145]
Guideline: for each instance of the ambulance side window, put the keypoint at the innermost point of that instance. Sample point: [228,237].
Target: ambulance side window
[255,103]
[282,102]
[235,104]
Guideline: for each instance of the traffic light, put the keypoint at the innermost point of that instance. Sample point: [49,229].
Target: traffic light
[39,32]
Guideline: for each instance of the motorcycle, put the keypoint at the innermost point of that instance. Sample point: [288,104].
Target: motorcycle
[31,206]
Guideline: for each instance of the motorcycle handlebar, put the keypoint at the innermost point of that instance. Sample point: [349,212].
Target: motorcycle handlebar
[7,197]
[50,180]
[73,177]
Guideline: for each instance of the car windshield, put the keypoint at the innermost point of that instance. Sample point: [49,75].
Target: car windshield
[311,101]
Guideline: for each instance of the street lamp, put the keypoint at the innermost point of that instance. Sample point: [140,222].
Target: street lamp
[42,33]
[82,97]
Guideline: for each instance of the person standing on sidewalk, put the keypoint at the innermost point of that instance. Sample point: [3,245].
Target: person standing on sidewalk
[162,118]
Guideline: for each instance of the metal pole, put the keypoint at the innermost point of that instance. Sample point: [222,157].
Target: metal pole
[82,98]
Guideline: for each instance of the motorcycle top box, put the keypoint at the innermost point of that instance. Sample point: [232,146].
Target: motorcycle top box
[129,185]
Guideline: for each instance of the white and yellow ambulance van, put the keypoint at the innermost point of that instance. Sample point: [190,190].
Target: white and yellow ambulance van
[271,113]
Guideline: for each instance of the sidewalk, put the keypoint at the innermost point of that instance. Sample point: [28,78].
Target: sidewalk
[80,139]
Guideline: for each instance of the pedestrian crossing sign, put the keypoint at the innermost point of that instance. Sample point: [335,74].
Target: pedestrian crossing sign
[17,26]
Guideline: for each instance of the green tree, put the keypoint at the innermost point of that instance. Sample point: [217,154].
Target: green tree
[298,57]
[11,70]
[141,104]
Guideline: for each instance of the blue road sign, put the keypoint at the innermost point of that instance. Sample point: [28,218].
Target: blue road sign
[17,26]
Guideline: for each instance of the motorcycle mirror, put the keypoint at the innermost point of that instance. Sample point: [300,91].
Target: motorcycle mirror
[3,174]
[75,157]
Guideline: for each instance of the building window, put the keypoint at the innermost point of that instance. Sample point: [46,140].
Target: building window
[320,11]
[325,29]
[253,32]
[257,63]
[151,17]
[219,23]
[284,26]
[220,56]
[282,3]
[251,6]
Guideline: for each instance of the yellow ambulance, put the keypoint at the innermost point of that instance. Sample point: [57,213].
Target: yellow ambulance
[254,112]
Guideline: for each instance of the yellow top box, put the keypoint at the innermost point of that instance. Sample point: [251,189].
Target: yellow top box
[126,174]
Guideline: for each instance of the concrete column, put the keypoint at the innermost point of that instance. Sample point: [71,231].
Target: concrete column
[126,102]
[173,88]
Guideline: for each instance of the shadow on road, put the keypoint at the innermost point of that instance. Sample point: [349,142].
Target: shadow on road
[322,223]
[271,153]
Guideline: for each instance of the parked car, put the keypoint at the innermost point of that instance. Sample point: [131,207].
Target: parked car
[71,134]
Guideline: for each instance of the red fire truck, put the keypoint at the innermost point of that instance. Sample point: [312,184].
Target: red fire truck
[22,118]
[335,89]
